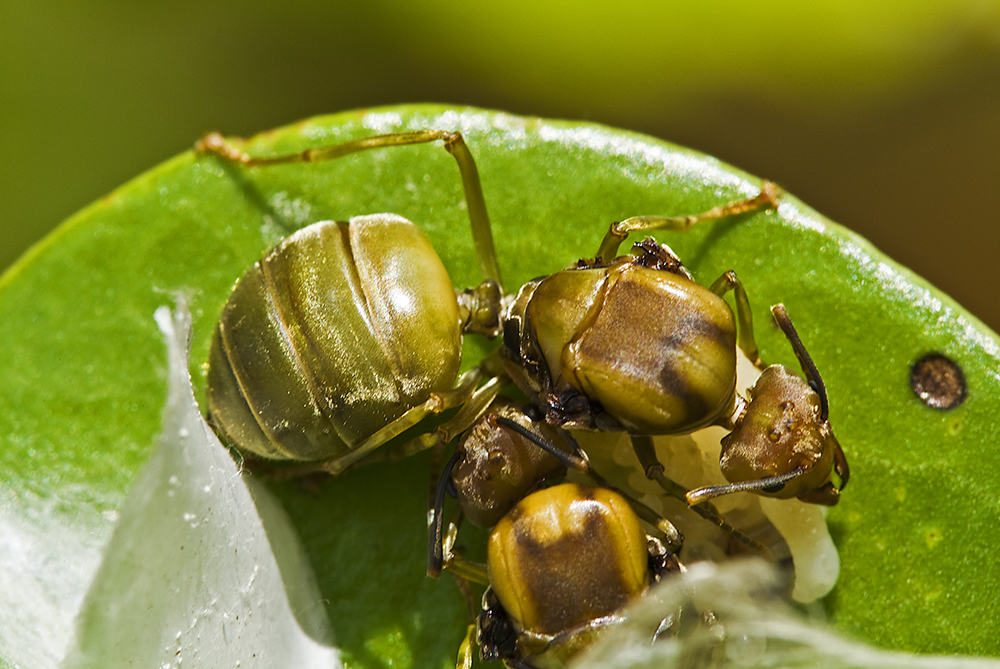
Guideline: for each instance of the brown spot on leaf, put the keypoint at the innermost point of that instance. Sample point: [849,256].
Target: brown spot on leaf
[938,381]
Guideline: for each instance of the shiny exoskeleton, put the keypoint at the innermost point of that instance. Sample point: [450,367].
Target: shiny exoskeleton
[508,453]
[321,352]
[634,344]
[511,451]
[349,333]
[562,564]
[495,467]
[783,429]
[562,561]
[360,287]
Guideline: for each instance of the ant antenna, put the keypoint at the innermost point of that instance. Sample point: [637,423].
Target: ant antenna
[769,484]
[784,321]
[435,545]
[577,461]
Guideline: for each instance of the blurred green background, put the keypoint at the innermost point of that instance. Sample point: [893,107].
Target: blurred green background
[883,116]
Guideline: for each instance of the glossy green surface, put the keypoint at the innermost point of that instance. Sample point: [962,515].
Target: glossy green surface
[83,363]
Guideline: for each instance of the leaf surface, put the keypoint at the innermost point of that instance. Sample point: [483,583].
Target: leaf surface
[84,370]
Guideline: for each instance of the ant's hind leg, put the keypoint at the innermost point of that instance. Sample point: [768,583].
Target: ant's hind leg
[619,231]
[730,282]
[482,234]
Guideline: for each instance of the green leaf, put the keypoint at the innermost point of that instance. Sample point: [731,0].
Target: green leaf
[84,371]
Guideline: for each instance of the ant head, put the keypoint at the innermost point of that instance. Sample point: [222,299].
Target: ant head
[782,445]
[497,465]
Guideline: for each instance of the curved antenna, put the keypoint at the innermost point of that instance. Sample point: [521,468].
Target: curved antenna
[784,321]
[578,461]
[435,526]
[769,484]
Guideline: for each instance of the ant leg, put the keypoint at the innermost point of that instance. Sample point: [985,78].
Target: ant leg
[473,408]
[441,545]
[462,394]
[619,231]
[456,563]
[474,402]
[479,309]
[654,470]
[482,234]
[730,282]
[464,660]
[667,531]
